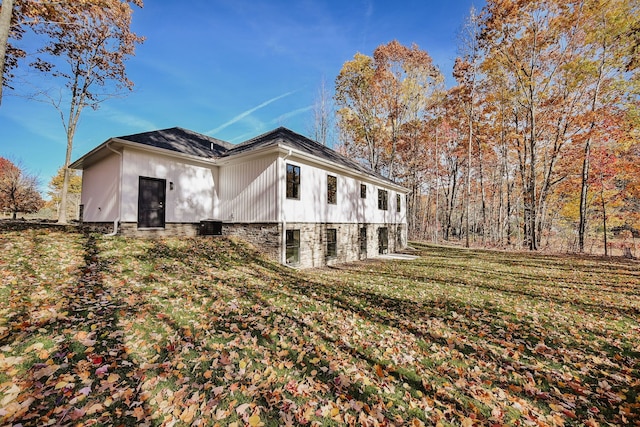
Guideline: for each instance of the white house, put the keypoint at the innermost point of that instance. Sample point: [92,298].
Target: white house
[301,202]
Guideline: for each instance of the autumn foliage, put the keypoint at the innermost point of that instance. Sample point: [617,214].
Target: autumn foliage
[527,149]
[18,190]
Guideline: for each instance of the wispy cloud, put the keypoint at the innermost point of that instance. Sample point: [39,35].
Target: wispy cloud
[247,112]
[130,120]
[260,127]
[368,15]
[37,122]
[281,120]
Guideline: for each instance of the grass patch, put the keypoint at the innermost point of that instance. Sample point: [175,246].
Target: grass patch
[182,331]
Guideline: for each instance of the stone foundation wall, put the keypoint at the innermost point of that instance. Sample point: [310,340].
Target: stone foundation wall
[98,227]
[267,237]
[131,229]
[264,236]
[173,229]
[313,242]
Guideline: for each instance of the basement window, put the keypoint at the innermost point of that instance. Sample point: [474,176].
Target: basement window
[332,246]
[293,246]
[363,240]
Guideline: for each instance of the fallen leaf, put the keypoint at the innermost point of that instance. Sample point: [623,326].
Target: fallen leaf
[254,420]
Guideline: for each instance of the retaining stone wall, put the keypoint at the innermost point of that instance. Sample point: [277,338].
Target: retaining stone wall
[267,237]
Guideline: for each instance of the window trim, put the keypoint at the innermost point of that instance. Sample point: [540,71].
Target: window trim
[383,199]
[293,244]
[363,240]
[383,240]
[331,246]
[332,200]
[399,243]
[294,184]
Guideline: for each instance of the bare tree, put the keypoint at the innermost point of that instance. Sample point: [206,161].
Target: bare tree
[466,72]
[87,50]
[323,116]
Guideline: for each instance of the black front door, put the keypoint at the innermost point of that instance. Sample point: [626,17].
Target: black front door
[151,198]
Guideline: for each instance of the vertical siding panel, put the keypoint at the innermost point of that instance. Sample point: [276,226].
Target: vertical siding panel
[251,191]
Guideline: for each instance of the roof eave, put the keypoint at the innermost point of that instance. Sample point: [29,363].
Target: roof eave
[119,143]
[282,148]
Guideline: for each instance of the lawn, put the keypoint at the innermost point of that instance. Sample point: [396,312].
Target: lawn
[99,330]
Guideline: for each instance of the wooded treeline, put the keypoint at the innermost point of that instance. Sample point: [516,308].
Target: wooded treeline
[537,145]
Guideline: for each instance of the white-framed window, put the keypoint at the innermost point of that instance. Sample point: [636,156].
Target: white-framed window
[332,242]
[332,189]
[293,246]
[383,199]
[293,181]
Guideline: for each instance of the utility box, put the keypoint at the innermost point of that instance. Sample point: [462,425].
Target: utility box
[210,227]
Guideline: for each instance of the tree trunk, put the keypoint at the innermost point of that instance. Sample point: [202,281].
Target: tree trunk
[5,25]
[437,189]
[604,215]
[533,238]
[508,213]
[483,201]
[447,226]
[62,217]
[466,241]
[584,189]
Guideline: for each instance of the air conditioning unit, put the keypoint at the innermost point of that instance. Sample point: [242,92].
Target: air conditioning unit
[210,227]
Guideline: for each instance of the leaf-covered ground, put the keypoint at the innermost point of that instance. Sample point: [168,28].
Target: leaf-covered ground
[116,331]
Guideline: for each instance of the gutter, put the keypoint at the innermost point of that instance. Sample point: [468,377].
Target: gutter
[282,213]
[117,220]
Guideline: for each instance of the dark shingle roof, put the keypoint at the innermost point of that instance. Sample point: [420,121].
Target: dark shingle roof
[192,143]
[288,137]
[182,141]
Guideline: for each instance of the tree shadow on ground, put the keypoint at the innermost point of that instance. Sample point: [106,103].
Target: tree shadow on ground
[471,322]
[87,377]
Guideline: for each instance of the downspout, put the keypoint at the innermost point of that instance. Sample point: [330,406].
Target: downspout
[283,250]
[117,220]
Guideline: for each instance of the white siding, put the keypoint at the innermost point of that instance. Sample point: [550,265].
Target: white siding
[350,207]
[194,194]
[249,191]
[100,190]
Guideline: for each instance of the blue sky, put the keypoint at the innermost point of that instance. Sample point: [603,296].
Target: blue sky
[231,69]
